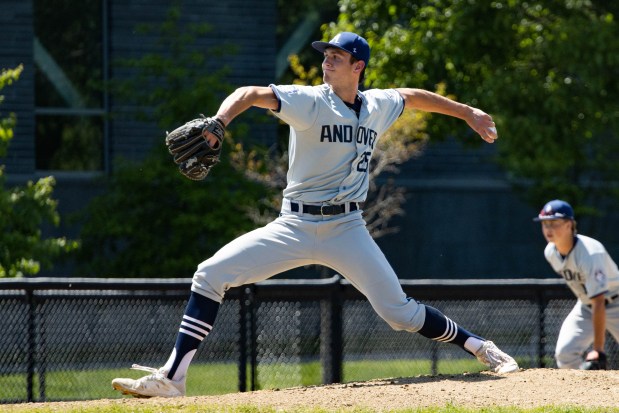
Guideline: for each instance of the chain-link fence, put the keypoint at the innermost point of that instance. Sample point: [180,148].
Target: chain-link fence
[66,339]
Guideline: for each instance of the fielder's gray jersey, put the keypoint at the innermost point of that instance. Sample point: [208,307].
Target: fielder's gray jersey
[330,149]
[588,269]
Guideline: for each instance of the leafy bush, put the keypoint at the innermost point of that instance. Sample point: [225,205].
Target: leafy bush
[23,210]
[154,222]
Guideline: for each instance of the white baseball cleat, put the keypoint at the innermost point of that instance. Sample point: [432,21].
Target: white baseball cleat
[155,384]
[499,362]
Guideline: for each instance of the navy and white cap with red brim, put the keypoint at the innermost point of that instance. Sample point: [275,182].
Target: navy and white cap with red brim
[555,209]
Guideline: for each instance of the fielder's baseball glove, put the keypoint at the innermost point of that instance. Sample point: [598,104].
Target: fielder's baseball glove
[597,364]
[192,153]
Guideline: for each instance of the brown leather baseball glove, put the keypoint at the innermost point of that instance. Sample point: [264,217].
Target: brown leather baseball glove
[192,153]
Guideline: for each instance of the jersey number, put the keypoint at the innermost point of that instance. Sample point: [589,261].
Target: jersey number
[364,163]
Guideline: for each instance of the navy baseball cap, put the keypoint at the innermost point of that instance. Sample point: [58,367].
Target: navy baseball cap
[352,43]
[555,209]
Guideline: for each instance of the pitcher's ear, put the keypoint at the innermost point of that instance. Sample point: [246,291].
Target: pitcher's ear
[359,65]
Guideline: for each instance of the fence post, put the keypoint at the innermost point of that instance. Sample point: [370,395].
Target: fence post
[331,343]
[31,346]
[253,352]
[243,318]
[541,348]
[434,352]
[42,357]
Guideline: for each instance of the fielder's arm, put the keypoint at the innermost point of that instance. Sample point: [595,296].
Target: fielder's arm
[598,318]
[428,101]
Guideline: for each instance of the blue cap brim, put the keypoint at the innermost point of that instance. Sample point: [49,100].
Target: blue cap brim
[322,46]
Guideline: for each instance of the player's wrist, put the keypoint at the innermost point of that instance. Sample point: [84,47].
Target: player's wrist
[222,120]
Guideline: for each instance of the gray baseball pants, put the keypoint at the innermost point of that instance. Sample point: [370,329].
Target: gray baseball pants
[576,334]
[340,242]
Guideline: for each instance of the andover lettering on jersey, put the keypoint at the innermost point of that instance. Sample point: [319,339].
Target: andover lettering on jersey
[366,136]
[336,133]
[344,134]
[570,275]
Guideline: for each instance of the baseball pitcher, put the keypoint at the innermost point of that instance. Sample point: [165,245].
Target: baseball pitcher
[334,129]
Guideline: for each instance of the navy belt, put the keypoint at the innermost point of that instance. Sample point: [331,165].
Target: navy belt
[608,300]
[323,210]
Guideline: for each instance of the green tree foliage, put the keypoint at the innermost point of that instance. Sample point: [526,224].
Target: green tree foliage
[154,222]
[546,70]
[7,77]
[151,221]
[23,250]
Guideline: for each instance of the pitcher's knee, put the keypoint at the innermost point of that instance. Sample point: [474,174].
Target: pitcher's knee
[407,317]
[207,286]
[401,325]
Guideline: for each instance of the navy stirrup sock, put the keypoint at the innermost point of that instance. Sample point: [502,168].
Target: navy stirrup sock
[197,323]
[439,327]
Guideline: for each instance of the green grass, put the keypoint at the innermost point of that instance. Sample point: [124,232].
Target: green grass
[372,369]
[220,378]
[209,379]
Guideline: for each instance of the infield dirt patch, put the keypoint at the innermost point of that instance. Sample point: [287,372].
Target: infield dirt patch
[528,388]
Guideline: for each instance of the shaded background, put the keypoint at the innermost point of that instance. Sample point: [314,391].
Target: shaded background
[462,217]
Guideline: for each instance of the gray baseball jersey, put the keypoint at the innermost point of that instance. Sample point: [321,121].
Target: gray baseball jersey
[588,269]
[330,149]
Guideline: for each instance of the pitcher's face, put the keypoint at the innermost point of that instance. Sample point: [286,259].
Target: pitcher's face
[338,67]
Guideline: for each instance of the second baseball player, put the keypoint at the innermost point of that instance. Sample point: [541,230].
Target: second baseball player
[593,277]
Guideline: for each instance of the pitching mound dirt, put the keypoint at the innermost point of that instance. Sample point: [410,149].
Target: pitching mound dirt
[526,389]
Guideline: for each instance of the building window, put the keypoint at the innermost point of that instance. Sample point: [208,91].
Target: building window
[70,60]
